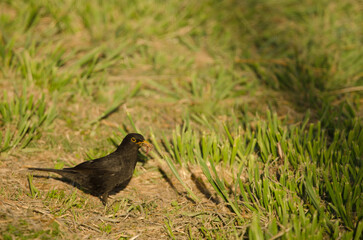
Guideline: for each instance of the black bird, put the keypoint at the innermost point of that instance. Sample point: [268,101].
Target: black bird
[101,176]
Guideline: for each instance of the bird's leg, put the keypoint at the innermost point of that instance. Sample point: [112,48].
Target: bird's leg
[104,198]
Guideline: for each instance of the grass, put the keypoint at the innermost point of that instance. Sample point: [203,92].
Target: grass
[254,110]
[21,232]
[317,176]
[22,117]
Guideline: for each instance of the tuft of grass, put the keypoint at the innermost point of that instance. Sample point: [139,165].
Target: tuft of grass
[106,228]
[169,228]
[20,230]
[33,190]
[22,118]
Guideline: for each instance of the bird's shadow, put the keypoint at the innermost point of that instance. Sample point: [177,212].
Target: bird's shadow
[116,189]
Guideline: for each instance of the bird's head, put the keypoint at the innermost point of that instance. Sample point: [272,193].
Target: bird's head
[135,139]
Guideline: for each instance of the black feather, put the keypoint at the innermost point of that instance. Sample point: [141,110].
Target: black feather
[100,176]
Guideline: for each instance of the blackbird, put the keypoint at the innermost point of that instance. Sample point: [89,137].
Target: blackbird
[101,176]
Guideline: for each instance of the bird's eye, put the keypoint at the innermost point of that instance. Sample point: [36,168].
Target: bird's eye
[133,139]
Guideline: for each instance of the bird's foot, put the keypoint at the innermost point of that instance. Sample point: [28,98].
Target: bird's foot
[104,199]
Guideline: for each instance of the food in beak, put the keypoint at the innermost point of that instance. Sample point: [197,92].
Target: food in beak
[147,146]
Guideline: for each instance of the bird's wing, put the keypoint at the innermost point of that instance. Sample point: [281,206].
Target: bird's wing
[107,163]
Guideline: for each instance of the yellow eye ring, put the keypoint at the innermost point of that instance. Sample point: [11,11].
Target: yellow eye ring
[133,139]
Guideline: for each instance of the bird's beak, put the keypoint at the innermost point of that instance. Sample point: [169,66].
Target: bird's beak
[148,146]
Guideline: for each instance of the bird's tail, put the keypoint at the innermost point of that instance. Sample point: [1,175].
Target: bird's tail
[46,169]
